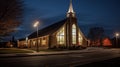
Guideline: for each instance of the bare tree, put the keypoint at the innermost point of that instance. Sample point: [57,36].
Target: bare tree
[11,12]
[95,35]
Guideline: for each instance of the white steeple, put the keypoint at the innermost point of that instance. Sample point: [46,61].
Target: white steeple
[70,10]
[70,7]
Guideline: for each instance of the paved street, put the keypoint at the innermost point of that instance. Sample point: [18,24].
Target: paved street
[63,60]
[115,62]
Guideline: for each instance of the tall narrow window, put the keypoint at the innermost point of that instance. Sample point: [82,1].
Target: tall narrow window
[73,34]
[34,43]
[44,42]
[61,37]
[80,39]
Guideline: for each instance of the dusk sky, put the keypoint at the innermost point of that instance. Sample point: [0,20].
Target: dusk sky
[90,13]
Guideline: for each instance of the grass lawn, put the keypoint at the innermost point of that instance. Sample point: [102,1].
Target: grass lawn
[17,50]
[13,50]
[48,50]
[52,50]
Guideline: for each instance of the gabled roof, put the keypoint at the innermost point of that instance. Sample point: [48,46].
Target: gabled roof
[48,30]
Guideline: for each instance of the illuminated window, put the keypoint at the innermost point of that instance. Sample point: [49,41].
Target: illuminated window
[60,36]
[34,42]
[39,41]
[44,42]
[80,39]
[73,34]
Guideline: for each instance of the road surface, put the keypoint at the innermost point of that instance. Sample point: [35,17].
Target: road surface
[65,60]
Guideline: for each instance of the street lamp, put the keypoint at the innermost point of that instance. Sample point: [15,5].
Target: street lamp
[36,25]
[116,35]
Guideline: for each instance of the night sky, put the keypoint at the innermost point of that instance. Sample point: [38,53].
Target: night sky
[90,13]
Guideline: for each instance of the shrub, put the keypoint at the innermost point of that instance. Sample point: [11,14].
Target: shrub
[78,47]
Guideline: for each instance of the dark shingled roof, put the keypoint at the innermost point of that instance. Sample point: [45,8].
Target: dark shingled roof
[22,39]
[48,30]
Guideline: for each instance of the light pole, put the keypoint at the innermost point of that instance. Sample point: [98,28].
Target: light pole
[36,25]
[116,35]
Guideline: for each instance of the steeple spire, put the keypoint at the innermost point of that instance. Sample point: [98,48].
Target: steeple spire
[70,12]
[70,8]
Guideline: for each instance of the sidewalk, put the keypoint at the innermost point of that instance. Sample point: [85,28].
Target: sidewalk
[43,53]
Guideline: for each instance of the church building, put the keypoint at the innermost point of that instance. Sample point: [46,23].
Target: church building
[63,33]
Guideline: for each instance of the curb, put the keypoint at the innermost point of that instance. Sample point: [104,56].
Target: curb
[29,55]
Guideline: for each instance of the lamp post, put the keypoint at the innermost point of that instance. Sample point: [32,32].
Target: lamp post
[36,25]
[117,35]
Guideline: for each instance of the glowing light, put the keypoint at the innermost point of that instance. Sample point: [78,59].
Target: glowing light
[117,34]
[36,24]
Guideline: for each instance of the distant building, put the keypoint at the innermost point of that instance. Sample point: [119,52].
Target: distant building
[104,42]
[63,33]
[9,44]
